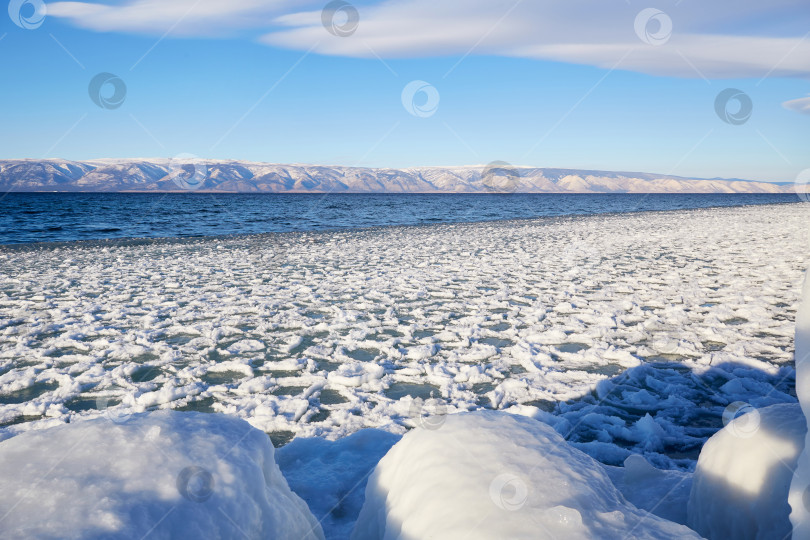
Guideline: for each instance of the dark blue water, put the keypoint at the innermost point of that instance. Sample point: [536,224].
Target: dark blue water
[54,217]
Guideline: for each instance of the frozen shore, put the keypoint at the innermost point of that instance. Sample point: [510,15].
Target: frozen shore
[631,336]
[628,333]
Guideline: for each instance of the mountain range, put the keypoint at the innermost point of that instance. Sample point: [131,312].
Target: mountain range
[188,174]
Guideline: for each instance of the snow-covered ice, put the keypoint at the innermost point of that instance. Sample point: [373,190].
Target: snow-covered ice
[158,475]
[799,498]
[629,333]
[635,337]
[493,475]
[741,483]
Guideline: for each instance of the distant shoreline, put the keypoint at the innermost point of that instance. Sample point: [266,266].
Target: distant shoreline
[179,175]
[291,192]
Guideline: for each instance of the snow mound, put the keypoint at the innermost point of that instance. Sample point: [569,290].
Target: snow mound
[495,475]
[165,474]
[800,486]
[740,486]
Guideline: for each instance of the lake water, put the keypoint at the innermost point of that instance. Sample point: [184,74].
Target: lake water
[58,217]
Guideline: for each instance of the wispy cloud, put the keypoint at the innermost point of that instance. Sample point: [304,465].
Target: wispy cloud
[801,105]
[200,18]
[712,40]
[720,39]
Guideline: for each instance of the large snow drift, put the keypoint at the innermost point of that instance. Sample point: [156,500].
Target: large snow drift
[165,475]
[740,487]
[494,475]
[800,486]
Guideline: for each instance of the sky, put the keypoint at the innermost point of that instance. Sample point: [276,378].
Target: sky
[695,89]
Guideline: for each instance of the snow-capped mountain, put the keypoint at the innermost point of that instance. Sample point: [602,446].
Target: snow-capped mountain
[236,176]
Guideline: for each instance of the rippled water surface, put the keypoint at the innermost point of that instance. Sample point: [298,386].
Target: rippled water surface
[56,217]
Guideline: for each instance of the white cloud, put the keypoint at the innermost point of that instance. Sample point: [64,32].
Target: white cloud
[801,105]
[717,39]
[181,17]
[591,32]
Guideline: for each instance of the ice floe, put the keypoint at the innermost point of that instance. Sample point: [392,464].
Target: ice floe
[632,332]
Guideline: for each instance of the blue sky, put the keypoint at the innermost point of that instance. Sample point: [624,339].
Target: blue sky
[531,83]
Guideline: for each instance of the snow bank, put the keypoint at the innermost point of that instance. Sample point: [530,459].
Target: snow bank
[740,486]
[800,486]
[495,475]
[165,475]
